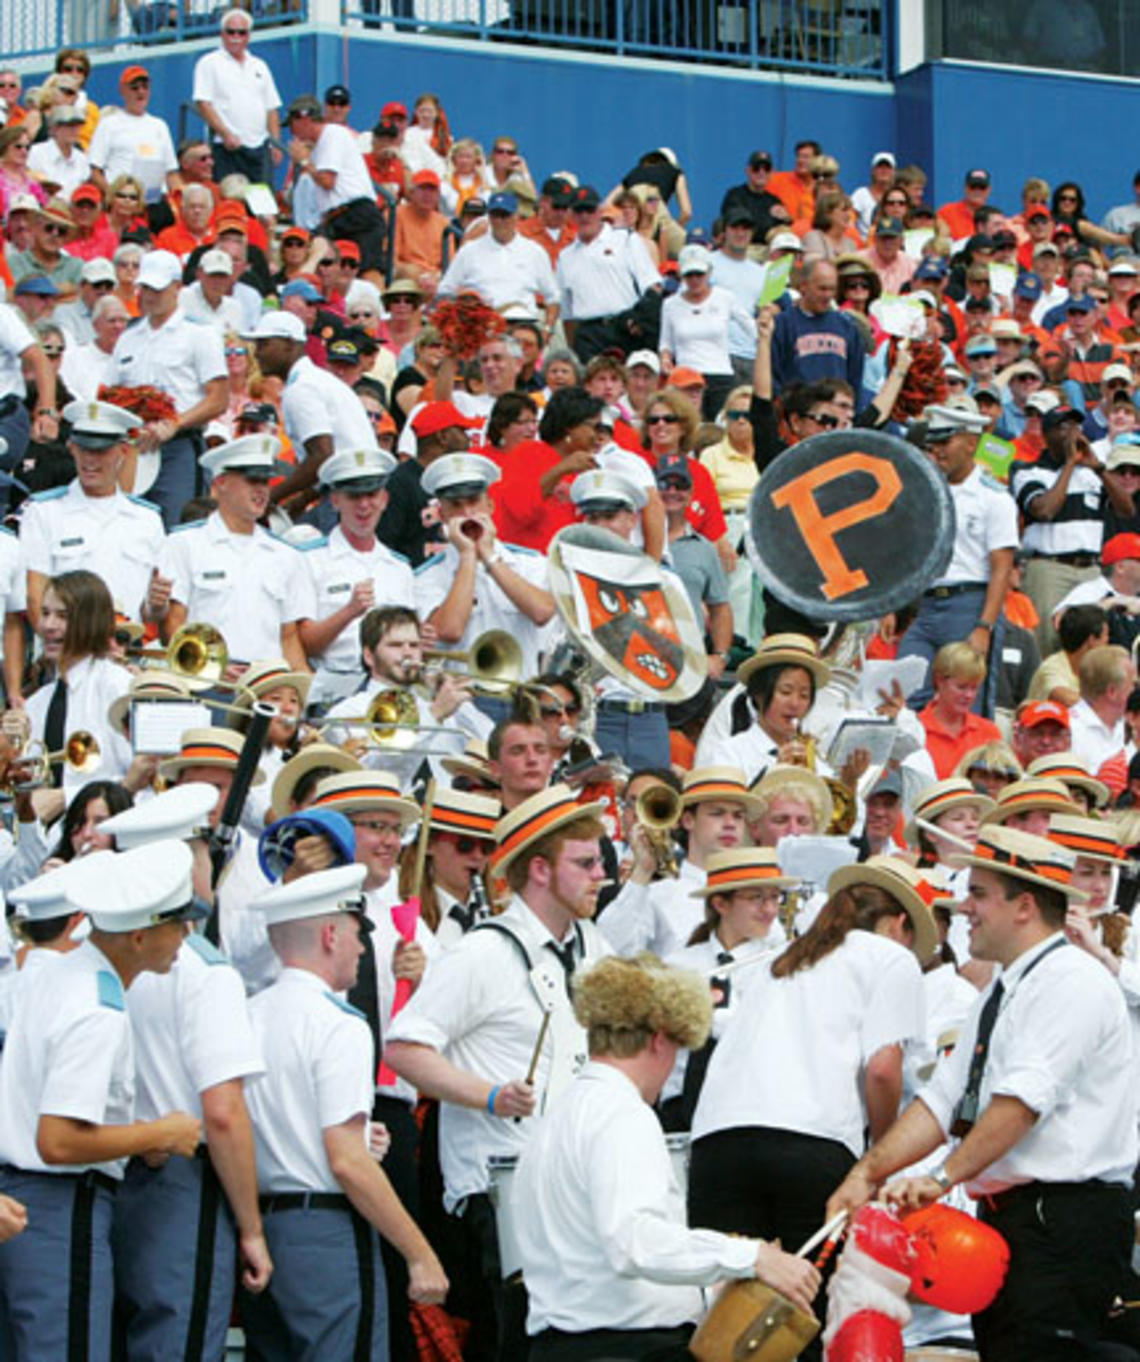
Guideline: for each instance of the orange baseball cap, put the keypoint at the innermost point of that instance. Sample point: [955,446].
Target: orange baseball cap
[684,377]
[348,248]
[133,73]
[1042,711]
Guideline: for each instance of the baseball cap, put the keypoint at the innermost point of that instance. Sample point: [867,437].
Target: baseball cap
[684,377]
[738,217]
[884,158]
[503,202]
[97,271]
[347,249]
[428,177]
[980,345]
[394,109]
[1029,287]
[1036,712]
[436,416]
[302,288]
[37,286]
[1123,267]
[216,262]
[785,241]
[294,232]
[585,197]
[304,106]
[977,179]
[694,260]
[1046,248]
[932,267]
[159,269]
[90,193]
[131,74]
[673,466]
[337,94]
[344,351]
[647,357]
[277,325]
[1038,210]
[1059,415]
[1082,304]
[760,160]
[1119,547]
[889,227]
[66,113]
[1115,370]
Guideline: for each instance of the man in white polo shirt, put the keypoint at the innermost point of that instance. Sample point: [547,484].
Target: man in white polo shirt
[236,95]
[502,266]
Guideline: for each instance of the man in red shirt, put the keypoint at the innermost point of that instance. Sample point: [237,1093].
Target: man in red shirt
[959,217]
[795,188]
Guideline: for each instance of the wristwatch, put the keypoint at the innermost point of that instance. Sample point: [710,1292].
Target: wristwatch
[48,411]
[942,1177]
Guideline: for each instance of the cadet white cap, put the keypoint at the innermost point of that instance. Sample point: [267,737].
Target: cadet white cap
[944,421]
[180,812]
[459,475]
[44,897]
[598,489]
[159,269]
[359,470]
[274,324]
[216,261]
[340,890]
[250,454]
[130,890]
[99,425]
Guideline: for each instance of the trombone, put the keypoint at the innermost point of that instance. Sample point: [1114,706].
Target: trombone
[198,653]
[392,720]
[494,661]
[658,810]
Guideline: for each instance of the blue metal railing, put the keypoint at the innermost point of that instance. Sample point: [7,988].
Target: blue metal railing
[33,28]
[820,37]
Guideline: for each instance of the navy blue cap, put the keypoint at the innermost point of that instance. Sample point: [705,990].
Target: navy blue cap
[38,285]
[932,267]
[1029,287]
[1082,304]
[503,202]
[673,466]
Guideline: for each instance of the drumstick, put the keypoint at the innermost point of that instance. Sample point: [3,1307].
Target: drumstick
[827,1232]
[542,1030]
[936,831]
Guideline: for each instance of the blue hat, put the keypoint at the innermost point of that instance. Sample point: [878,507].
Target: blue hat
[503,202]
[38,285]
[981,345]
[1082,304]
[303,289]
[1029,287]
[276,846]
[932,267]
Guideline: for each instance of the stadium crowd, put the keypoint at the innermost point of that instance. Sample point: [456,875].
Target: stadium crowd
[292,413]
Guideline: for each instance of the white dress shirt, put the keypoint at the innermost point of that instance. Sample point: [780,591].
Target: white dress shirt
[85,369]
[247,585]
[318,1074]
[180,357]
[986,520]
[604,276]
[15,338]
[824,1023]
[517,272]
[1062,1046]
[658,917]
[241,90]
[604,1240]
[1093,739]
[92,685]
[48,163]
[337,149]
[67,1054]
[13,577]
[192,1031]
[477,1007]
[753,750]
[316,402]
[120,537]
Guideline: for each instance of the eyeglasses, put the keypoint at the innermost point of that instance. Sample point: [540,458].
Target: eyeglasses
[55,229]
[824,419]
[74,67]
[139,84]
[673,485]
[663,420]
[1066,198]
[587,863]
[232,350]
[362,316]
[502,151]
[326,264]
[861,284]
[376,415]
[52,351]
[128,194]
[348,263]
[379,828]
[739,414]
[102,286]
[466,845]
[236,32]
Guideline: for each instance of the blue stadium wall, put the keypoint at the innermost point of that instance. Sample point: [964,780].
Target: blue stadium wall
[573,110]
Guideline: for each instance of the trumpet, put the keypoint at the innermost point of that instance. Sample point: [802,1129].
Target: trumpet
[80,752]
[392,720]
[197,652]
[843,804]
[658,809]
[494,661]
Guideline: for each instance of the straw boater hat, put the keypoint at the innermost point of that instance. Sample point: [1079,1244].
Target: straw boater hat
[262,677]
[464,813]
[719,782]
[915,893]
[1037,860]
[1029,794]
[796,650]
[780,778]
[365,792]
[940,798]
[1091,839]
[535,818]
[207,747]
[643,995]
[474,762]
[743,868]
[154,687]
[1070,769]
[296,768]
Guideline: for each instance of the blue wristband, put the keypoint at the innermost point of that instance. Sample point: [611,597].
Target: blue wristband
[491,1098]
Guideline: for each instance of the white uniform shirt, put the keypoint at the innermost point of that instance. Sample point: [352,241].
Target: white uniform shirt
[658,917]
[753,750]
[244,934]
[242,92]
[335,567]
[478,1008]
[92,685]
[68,1054]
[134,144]
[120,537]
[227,316]
[518,272]
[15,338]
[1061,1045]
[604,276]
[492,607]
[604,1242]
[1093,739]
[825,1023]
[697,334]
[180,357]
[247,585]
[318,1074]
[48,163]
[85,369]
[192,1031]
[986,520]
[337,149]
[13,577]
[316,403]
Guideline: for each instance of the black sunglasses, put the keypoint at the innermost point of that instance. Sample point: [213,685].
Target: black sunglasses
[824,419]
[466,845]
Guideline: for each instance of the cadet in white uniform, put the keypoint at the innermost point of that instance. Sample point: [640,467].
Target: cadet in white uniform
[176,1243]
[611,1267]
[352,571]
[478,583]
[91,523]
[67,1088]
[42,916]
[661,915]
[323,1197]
[469,1034]
[229,571]
[1040,1091]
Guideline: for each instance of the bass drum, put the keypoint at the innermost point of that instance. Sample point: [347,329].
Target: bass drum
[750,1319]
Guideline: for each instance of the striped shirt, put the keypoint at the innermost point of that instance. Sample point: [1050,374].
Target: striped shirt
[1078,527]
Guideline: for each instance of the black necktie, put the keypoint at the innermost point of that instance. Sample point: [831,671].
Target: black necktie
[565,954]
[724,957]
[967,1112]
[365,996]
[55,727]
[464,916]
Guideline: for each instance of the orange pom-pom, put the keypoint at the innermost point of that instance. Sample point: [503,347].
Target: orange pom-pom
[959,1262]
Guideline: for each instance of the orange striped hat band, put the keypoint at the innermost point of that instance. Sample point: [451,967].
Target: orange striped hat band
[713,789]
[728,877]
[1083,842]
[459,820]
[533,827]
[1060,874]
[207,753]
[933,807]
[357,792]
